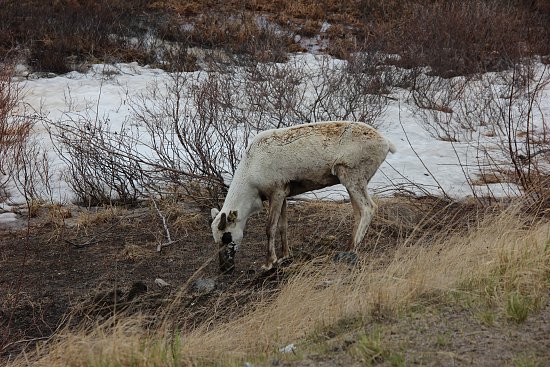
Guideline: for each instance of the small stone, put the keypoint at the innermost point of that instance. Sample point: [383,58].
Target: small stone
[161,283]
[291,348]
[203,286]
[349,258]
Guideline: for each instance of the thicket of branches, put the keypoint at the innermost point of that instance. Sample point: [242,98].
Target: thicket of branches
[23,163]
[186,135]
[504,106]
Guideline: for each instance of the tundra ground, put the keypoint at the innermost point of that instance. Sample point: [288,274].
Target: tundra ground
[76,268]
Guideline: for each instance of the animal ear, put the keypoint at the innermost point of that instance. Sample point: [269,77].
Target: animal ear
[223,222]
[214,212]
[232,217]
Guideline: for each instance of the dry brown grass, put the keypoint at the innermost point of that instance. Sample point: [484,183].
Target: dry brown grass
[135,252]
[504,255]
[99,215]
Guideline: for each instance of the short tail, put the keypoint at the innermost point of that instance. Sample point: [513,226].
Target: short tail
[391,147]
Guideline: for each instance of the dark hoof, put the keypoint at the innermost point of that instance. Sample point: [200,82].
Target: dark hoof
[348,258]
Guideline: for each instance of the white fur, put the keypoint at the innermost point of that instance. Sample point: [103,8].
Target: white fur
[285,162]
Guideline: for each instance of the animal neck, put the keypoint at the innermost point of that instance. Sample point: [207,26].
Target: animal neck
[243,198]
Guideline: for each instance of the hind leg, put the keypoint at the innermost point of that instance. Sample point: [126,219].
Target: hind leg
[363,206]
[363,209]
[283,228]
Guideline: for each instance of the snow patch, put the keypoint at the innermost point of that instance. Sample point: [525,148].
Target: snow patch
[8,218]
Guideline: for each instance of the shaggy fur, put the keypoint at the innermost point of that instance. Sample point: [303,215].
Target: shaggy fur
[286,162]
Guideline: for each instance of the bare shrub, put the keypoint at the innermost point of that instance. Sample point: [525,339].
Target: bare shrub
[504,106]
[196,127]
[14,128]
[246,37]
[436,100]
[82,30]
[352,90]
[24,165]
[297,92]
[522,128]
[462,37]
[99,170]
[453,37]
[276,95]
[186,133]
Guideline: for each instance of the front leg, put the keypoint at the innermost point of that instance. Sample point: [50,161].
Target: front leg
[276,202]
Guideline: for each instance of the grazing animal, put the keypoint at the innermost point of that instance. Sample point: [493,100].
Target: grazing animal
[285,162]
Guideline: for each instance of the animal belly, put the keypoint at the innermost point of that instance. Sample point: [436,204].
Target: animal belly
[300,186]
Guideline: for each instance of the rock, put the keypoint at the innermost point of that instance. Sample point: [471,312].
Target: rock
[349,258]
[137,289]
[161,283]
[291,348]
[203,286]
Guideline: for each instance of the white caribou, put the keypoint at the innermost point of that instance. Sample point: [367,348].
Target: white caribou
[285,162]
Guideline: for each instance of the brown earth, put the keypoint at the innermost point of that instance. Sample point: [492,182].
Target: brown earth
[449,335]
[96,260]
[80,265]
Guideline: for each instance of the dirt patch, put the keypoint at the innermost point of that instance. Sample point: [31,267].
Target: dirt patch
[91,263]
[456,336]
[451,335]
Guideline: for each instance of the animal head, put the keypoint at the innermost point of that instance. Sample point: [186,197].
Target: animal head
[228,236]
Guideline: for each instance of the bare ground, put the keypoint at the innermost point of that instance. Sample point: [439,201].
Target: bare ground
[79,265]
[93,260]
[450,335]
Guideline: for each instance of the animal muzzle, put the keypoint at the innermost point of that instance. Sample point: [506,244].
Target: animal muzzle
[227,251]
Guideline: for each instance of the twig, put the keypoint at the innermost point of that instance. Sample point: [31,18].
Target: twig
[168,236]
[420,159]
[400,186]
[92,241]
[27,341]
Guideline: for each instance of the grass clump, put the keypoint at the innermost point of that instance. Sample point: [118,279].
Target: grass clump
[371,349]
[518,307]
[527,361]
